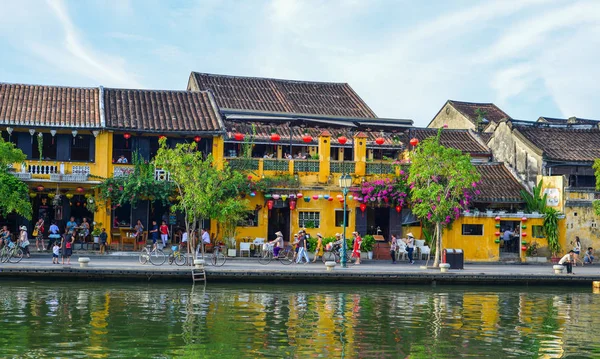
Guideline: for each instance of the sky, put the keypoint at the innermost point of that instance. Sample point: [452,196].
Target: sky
[405,58]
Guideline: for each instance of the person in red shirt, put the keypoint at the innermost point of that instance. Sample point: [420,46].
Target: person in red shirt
[164,233]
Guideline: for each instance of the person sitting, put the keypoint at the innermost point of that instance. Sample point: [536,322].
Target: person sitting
[277,244]
[589,256]
[122,159]
[567,261]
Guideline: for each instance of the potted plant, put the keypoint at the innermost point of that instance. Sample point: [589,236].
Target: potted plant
[550,227]
[96,232]
[367,245]
[230,242]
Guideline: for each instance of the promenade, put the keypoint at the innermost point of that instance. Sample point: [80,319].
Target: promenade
[125,266]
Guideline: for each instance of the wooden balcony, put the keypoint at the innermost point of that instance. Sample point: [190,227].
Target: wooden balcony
[52,170]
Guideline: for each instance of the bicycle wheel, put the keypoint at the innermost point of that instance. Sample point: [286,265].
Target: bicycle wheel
[286,257]
[329,257]
[180,259]
[16,256]
[218,259]
[349,261]
[4,255]
[157,257]
[144,256]
[265,258]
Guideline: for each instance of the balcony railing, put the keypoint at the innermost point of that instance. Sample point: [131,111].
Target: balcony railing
[379,168]
[56,172]
[276,165]
[342,167]
[126,170]
[250,164]
[306,166]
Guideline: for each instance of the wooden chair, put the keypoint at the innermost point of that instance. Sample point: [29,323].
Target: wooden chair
[115,240]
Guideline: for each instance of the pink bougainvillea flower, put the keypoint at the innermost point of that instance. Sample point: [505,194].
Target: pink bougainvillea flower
[474,184]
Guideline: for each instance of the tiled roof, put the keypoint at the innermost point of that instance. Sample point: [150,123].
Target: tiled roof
[494,113]
[462,140]
[564,143]
[570,120]
[161,111]
[49,106]
[284,96]
[497,184]
[485,136]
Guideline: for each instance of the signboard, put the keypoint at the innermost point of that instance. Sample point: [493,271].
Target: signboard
[172,219]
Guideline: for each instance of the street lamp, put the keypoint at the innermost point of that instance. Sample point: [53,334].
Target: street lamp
[345,183]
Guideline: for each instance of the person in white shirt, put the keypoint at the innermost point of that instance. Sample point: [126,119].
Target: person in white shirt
[567,261]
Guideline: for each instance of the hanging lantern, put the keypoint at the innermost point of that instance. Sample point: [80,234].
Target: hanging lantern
[126,136]
[414,141]
[340,197]
[299,195]
[69,195]
[53,133]
[315,197]
[292,205]
[238,136]
[331,199]
[252,194]
[197,139]
[74,133]
[524,248]
[40,188]
[342,140]
[363,207]
[270,204]
[497,234]
[379,140]
[523,234]
[32,195]
[32,132]
[326,196]
[398,208]
[78,204]
[80,190]
[292,196]
[275,196]
[275,137]
[320,196]
[51,195]
[306,138]
[497,218]
[350,197]
[524,219]
[284,197]
[306,199]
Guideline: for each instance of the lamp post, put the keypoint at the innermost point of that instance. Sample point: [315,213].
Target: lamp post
[345,183]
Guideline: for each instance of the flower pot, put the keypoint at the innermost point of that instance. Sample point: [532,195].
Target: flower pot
[370,254]
[554,260]
[231,252]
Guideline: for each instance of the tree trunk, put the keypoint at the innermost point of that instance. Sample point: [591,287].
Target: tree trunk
[438,244]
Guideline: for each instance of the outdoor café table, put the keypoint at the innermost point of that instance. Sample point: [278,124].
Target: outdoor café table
[127,236]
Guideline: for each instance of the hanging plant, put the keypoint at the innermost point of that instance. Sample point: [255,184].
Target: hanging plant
[91,204]
[40,144]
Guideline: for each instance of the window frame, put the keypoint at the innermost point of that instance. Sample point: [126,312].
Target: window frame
[462,229]
[335,217]
[316,218]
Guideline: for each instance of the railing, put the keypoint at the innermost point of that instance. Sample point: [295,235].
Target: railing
[276,165]
[40,169]
[306,166]
[161,175]
[244,163]
[342,167]
[122,170]
[379,168]
[56,171]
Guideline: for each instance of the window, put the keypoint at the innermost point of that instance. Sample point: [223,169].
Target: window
[309,219]
[48,147]
[472,229]
[121,146]
[80,150]
[251,220]
[339,218]
[537,232]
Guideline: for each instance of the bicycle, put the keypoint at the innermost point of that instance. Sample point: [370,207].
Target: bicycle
[11,251]
[285,255]
[216,258]
[177,256]
[335,255]
[152,254]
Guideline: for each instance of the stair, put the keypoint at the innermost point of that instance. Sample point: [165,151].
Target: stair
[198,273]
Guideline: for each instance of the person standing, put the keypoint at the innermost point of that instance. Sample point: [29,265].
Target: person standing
[38,233]
[567,261]
[54,235]
[356,247]
[393,246]
[154,233]
[67,248]
[103,241]
[319,249]
[55,251]
[410,247]
[24,241]
[507,236]
[302,253]
[576,251]
[85,231]
[164,233]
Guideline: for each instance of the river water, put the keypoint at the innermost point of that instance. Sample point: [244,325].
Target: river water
[128,320]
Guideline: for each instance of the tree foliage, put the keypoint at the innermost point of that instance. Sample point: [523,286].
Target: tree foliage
[14,193]
[441,181]
[535,202]
[596,203]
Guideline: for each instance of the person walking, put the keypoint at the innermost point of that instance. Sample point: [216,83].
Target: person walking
[55,252]
[356,247]
[319,249]
[154,233]
[576,251]
[567,261]
[393,246]
[24,241]
[302,252]
[66,246]
[103,240]
[164,233]
[410,247]
[38,233]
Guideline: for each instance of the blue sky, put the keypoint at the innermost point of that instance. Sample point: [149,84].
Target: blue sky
[404,58]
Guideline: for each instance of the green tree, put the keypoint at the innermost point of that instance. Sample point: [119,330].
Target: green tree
[14,193]
[596,203]
[203,190]
[441,180]
[535,202]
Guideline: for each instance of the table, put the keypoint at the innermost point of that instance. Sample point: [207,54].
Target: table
[127,236]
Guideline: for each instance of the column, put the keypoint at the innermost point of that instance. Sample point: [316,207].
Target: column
[360,153]
[324,156]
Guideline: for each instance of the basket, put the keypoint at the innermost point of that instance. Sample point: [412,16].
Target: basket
[174,248]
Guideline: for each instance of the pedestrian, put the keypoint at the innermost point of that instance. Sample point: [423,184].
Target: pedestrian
[184,240]
[295,244]
[576,251]
[589,256]
[139,233]
[85,231]
[410,247]
[66,246]
[393,246]
[24,241]
[302,252]
[55,251]
[38,234]
[154,234]
[54,235]
[103,240]
[319,249]
[164,233]
[356,247]
[567,261]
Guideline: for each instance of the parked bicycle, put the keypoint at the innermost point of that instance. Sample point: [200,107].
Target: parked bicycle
[335,255]
[153,255]
[216,258]
[285,255]
[177,257]
[11,253]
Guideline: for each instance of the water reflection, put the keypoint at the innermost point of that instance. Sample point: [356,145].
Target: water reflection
[108,320]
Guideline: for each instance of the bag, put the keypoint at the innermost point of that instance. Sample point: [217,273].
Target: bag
[35,232]
[25,243]
[68,245]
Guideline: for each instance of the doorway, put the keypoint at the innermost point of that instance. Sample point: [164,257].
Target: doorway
[512,246]
[279,220]
[378,221]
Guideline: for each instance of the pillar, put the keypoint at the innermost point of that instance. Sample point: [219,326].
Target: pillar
[360,153]
[279,152]
[218,151]
[324,156]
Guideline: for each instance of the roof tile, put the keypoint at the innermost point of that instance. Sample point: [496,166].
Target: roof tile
[494,113]
[564,143]
[497,184]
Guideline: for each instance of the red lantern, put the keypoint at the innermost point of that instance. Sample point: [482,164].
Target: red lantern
[307,138]
[80,189]
[497,218]
[275,137]
[270,204]
[238,136]
[524,219]
[330,199]
[363,207]
[299,195]
[524,248]
[126,136]
[379,140]
[342,140]
[197,139]
[40,188]
[414,141]
[398,209]
[315,197]
[523,234]
[292,205]
[497,234]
